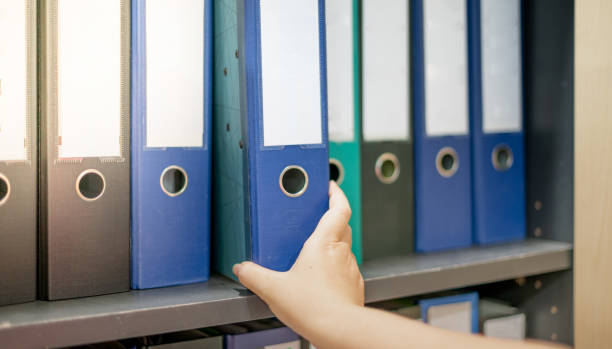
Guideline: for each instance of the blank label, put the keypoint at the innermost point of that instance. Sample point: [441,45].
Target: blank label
[291,72]
[89,78]
[386,70]
[446,98]
[455,316]
[340,79]
[290,345]
[175,73]
[13,79]
[502,102]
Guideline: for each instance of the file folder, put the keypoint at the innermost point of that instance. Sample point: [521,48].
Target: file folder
[344,104]
[85,157]
[18,151]
[497,121]
[387,160]
[442,140]
[501,320]
[278,338]
[457,313]
[171,142]
[271,155]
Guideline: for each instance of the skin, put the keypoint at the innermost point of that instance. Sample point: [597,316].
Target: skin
[322,297]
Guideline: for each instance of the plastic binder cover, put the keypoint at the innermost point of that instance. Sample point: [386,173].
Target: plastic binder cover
[270,133]
[171,141]
[387,169]
[18,151]
[85,179]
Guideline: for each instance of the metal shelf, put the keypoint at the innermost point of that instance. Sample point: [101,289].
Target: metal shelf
[222,301]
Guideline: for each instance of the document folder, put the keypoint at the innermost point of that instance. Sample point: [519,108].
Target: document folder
[344,105]
[457,313]
[271,156]
[18,151]
[85,157]
[171,142]
[497,121]
[442,140]
[387,162]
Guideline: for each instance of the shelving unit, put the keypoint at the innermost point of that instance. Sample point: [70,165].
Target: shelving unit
[222,301]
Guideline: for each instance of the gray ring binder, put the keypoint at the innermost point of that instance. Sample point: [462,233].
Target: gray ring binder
[5,189]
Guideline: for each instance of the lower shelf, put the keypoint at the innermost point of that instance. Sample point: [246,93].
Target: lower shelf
[222,301]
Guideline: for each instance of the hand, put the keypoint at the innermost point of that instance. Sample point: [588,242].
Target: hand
[324,278]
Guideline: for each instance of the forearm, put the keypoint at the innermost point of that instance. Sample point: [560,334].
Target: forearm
[364,328]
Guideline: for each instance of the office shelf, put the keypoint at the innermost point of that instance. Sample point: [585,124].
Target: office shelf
[222,301]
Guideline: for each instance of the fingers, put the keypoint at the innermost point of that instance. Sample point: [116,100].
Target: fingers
[256,278]
[332,225]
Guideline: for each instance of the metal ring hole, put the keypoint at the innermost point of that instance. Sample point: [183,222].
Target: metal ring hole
[294,181]
[336,171]
[447,162]
[502,158]
[91,185]
[5,189]
[174,181]
[387,168]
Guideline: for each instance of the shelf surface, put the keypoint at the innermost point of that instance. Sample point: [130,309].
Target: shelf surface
[222,301]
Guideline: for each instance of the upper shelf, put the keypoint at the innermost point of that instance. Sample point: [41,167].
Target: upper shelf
[222,301]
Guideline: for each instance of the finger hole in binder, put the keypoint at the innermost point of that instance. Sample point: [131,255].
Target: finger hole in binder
[5,189]
[387,168]
[336,171]
[90,185]
[447,162]
[174,181]
[293,181]
[502,158]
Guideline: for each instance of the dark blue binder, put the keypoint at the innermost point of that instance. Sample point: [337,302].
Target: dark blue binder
[471,298]
[171,142]
[497,120]
[272,172]
[442,152]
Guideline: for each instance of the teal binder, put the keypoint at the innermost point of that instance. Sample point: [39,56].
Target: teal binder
[344,150]
[229,241]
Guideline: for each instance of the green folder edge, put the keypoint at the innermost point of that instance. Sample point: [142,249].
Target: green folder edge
[228,210]
[349,153]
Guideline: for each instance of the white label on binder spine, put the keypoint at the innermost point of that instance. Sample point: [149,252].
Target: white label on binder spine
[454,316]
[13,80]
[340,79]
[446,74]
[291,75]
[386,70]
[289,345]
[175,73]
[89,78]
[502,102]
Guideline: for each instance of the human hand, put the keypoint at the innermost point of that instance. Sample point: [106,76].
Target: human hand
[325,278]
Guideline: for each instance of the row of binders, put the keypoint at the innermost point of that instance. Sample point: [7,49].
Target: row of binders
[131,129]
[459,312]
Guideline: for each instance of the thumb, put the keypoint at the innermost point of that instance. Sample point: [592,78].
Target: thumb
[259,280]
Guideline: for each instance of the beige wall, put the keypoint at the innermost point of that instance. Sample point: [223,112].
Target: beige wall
[593,171]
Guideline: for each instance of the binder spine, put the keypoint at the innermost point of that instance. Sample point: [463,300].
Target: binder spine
[18,199]
[498,194]
[89,255]
[280,224]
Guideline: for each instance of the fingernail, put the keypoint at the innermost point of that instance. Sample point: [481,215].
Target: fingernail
[236,269]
